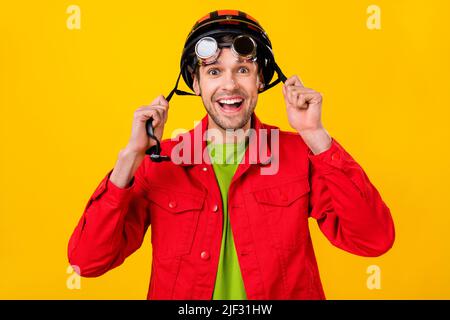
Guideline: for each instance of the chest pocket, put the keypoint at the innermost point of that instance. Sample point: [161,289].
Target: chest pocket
[284,208]
[174,218]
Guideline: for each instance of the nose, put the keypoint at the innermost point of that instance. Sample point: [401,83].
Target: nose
[229,81]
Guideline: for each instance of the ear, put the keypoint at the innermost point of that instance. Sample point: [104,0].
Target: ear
[196,85]
[260,81]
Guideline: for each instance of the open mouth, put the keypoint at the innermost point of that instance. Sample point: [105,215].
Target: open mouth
[230,105]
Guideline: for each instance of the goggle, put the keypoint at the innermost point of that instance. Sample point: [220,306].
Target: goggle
[207,49]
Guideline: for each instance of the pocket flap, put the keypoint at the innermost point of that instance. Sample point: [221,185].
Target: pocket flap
[284,194]
[175,201]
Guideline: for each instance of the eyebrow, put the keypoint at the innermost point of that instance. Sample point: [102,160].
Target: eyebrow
[214,63]
[240,61]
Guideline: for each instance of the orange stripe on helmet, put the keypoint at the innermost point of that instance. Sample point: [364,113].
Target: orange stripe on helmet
[203,18]
[251,18]
[227,12]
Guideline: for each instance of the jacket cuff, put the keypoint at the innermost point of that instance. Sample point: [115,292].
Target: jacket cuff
[115,193]
[329,160]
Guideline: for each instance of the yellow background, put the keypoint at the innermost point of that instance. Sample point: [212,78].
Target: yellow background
[67,99]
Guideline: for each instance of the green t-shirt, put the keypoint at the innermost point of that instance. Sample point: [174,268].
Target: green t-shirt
[229,285]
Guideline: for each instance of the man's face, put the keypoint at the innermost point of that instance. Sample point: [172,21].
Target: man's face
[229,90]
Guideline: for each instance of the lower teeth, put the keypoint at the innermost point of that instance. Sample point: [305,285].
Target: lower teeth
[234,105]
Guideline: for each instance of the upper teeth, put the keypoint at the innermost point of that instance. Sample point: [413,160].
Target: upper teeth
[230,101]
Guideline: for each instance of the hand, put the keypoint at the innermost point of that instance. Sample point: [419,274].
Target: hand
[139,141]
[303,105]
[304,108]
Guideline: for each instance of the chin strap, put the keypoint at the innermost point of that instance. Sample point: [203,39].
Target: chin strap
[178,92]
[281,78]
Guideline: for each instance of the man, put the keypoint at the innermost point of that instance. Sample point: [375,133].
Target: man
[222,227]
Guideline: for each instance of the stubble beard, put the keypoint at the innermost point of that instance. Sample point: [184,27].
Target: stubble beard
[223,122]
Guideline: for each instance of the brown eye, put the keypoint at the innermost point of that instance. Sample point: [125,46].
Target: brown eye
[213,72]
[243,70]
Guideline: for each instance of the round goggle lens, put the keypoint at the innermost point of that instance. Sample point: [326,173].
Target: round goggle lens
[206,48]
[244,46]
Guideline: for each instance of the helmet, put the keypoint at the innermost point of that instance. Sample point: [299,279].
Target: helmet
[229,22]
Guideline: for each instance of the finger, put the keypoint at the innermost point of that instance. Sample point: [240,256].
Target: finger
[301,101]
[144,115]
[159,107]
[309,98]
[288,95]
[141,108]
[294,98]
[285,94]
[155,101]
[150,107]
[299,81]
[157,119]
[163,110]
[161,118]
[161,100]
[290,81]
[301,89]
[294,81]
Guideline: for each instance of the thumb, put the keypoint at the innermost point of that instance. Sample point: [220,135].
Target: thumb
[294,81]
[159,101]
[286,96]
[162,101]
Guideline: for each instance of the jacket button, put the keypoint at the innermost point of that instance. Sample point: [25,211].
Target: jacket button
[205,169]
[215,208]
[335,156]
[204,255]
[172,204]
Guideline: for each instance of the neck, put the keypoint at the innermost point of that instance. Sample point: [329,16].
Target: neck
[229,135]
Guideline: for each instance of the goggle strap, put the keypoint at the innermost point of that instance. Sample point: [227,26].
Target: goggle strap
[184,93]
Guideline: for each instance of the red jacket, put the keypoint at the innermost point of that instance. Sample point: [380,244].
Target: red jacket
[268,213]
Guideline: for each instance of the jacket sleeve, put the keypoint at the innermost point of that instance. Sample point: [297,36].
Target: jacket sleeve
[112,226]
[348,208]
